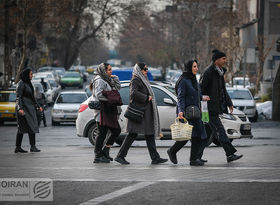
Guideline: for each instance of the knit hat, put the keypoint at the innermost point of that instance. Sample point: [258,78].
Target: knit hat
[217,54]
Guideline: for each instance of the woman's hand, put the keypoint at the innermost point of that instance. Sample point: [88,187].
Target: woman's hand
[181,115]
[21,112]
[150,98]
[205,98]
[41,109]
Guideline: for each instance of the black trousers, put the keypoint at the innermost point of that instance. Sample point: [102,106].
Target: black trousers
[150,141]
[41,116]
[102,133]
[222,137]
[20,136]
[197,147]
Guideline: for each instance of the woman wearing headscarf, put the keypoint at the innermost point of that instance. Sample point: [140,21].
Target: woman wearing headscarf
[142,95]
[107,117]
[189,93]
[26,109]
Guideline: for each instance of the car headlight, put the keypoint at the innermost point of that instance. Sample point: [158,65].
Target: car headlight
[57,111]
[227,116]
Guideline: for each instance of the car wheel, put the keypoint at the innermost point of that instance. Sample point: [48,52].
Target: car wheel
[55,123]
[255,118]
[92,134]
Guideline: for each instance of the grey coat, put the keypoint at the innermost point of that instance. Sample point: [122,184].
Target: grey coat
[139,95]
[26,101]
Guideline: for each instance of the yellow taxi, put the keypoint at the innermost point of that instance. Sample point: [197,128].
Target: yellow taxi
[91,69]
[7,106]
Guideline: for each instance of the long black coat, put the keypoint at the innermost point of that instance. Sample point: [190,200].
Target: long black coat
[188,95]
[139,95]
[26,101]
[210,86]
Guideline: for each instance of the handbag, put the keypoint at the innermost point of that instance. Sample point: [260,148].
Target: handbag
[192,112]
[94,105]
[181,131]
[134,113]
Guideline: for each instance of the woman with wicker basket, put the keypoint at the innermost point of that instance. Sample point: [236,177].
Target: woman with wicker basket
[189,94]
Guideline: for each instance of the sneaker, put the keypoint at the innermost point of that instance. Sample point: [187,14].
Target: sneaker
[159,161]
[101,159]
[233,157]
[121,160]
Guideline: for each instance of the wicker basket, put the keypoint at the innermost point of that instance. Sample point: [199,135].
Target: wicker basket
[181,131]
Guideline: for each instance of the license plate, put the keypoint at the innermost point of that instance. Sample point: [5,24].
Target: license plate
[7,115]
[247,127]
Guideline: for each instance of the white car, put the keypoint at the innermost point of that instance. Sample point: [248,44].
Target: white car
[236,125]
[66,106]
[49,93]
[243,100]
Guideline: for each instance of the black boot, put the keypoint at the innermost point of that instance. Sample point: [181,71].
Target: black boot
[19,149]
[106,153]
[34,149]
[100,158]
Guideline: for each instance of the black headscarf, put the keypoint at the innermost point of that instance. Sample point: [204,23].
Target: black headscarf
[187,74]
[24,76]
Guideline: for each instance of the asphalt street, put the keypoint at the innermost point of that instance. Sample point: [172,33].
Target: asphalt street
[67,160]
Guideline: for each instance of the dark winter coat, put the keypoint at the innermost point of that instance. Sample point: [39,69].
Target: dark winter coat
[26,101]
[211,86]
[139,95]
[188,95]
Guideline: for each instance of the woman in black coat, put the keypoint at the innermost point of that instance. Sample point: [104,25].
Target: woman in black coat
[189,93]
[142,95]
[26,109]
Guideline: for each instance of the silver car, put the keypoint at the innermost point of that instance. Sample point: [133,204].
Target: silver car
[66,106]
[243,100]
[236,125]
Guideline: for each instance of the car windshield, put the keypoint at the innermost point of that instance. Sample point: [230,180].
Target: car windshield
[71,75]
[71,98]
[240,94]
[7,97]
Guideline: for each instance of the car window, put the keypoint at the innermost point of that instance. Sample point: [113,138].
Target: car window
[71,98]
[160,95]
[7,97]
[124,92]
[240,94]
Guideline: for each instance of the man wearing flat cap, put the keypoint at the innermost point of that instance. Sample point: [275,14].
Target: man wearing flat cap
[213,85]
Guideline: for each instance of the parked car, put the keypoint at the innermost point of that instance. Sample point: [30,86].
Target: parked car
[236,125]
[50,93]
[156,73]
[48,75]
[82,70]
[7,105]
[59,70]
[243,100]
[71,79]
[238,82]
[66,106]
[171,73]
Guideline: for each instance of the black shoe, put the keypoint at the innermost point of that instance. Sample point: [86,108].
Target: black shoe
[172,157]
[105,152]
[203,160]
[196,162]
[233,157]
[19,149]
[101,159]
[121,160]
[159,161]
[34,149]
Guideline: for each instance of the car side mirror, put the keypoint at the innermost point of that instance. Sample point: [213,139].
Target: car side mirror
[257,98]
[169,101]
